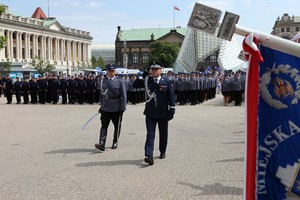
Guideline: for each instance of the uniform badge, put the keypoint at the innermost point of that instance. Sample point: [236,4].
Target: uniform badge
[280,86]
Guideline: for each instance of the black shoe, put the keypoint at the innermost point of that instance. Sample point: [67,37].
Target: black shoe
[162,156]
[101,147]
[149,160]
[114,146]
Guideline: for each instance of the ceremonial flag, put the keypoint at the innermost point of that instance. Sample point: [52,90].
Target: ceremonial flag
[273,123]
[176,8]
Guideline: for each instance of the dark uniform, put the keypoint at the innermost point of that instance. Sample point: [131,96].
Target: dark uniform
[25,91]
[80,89]
[43,86]
[113,104]
[17,90]
[33,87]
[54,85]
[159,109]
[72,90]
[63,85]
[8,86]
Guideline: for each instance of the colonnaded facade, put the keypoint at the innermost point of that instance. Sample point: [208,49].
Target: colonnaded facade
[66,48]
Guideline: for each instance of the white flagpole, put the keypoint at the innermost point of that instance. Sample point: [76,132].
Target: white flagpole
[271,41]
[174,16]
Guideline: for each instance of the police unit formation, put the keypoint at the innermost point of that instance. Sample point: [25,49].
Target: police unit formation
[190,88]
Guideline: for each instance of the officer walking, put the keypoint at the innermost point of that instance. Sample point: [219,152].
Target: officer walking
[159,109]
[112,105]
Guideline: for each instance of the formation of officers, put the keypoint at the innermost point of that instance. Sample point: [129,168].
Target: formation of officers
[190,88]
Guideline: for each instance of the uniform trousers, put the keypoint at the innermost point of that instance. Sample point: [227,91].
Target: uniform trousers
[163,135]
[116,118]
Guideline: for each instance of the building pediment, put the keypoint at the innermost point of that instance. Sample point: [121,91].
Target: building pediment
[172,36]
[53,24]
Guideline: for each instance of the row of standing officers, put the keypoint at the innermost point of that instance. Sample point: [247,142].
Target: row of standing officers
[189,88]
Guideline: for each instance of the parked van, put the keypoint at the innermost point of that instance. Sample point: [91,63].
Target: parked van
[125,71]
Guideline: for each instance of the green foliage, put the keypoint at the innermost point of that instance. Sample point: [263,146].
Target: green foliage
[41,66]
[2,9]
[164,52]
[7,66]
[97,62]
[3,40]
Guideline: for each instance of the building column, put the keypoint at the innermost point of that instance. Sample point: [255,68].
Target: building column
[2,52]
[56,49]
[51,49]
[88,53]
[47,47]
[17,45]
[26,46]
[21,48]
[34,46]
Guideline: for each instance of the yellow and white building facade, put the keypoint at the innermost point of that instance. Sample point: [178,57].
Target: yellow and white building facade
[28,37]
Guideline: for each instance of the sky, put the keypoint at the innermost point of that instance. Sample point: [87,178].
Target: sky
[101,17]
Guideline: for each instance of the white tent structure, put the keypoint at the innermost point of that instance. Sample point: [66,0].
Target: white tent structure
[198,45]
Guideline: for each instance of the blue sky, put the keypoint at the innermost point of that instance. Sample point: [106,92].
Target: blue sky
[101,17]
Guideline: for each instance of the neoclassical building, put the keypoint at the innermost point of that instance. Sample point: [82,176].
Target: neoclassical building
[286,26]
[38,36]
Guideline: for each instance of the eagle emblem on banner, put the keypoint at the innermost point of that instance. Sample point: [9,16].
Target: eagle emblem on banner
[280,86]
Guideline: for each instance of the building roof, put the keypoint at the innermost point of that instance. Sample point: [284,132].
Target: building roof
[296,19]
[39,14]
[145,34]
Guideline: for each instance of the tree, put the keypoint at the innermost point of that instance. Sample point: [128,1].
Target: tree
[7,66]
[3,38]
[164,52]
[41,66]
[97,62]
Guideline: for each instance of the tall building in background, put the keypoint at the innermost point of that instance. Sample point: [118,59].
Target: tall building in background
[132,47]
[44,37]
[286,26]
[105,51]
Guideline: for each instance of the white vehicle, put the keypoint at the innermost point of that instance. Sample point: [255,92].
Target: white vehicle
[126,71]
[165,70]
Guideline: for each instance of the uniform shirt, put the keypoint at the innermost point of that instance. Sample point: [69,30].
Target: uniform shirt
[112,95]
[165,98]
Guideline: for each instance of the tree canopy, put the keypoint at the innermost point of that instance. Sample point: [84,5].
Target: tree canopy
[3,38]
[41,66]
[97,62]
[164,52]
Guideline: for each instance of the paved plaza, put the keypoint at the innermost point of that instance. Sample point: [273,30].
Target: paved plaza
[44,154]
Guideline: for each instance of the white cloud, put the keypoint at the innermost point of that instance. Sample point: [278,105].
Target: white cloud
[94,5]
[68,3]
[218,4]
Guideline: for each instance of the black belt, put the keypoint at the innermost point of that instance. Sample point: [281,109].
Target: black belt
[114,98]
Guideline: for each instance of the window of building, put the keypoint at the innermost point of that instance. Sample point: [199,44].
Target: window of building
[213,57]
[145,57]
[297,29]
[288,29]
[282,29]
[135,58]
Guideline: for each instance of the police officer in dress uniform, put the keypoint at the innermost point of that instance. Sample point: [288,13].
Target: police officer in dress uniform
[159,108]
[112,105]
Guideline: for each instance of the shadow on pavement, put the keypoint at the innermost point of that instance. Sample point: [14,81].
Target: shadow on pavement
[232,160]
[112,163]
[215,189]
[66,151]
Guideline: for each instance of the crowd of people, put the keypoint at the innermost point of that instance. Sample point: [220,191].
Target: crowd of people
[233,87]
[190,88]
